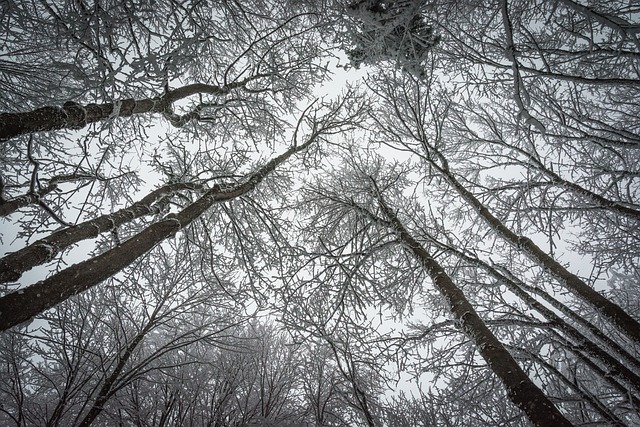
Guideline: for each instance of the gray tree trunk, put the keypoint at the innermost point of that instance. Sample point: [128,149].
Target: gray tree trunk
[520,389]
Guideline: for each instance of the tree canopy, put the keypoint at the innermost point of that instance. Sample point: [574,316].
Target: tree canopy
[203,224]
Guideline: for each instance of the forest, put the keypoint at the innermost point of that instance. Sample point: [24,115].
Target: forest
[234,213]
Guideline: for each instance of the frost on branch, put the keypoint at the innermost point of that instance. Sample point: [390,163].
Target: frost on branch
[395,31]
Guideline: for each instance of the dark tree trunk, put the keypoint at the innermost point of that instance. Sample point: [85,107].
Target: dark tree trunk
[520,389]
[610,310]
[23,304]
[75,116]
[7,207]
[14,264]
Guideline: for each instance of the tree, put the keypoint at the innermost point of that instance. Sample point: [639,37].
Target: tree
[377,211]
[23,304]
[395,31]
[166,347]
[453,241]
[439,126]
[236,72]
[96,345]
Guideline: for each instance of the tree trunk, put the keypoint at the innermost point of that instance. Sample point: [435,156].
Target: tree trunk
[520,389]
[14,264]
[75,116]
[7,207]
[613,312]
[23,304]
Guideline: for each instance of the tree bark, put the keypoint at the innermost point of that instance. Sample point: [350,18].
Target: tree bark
[7,207]
[23,304]
[520,389]
[610,310]
[592,349]
[75,116]
[14,264]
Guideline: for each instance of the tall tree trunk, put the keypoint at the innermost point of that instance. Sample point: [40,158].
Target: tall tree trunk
[610,310]
[23,304]
[590,348]
[520,389]
[14,264]
[106,390]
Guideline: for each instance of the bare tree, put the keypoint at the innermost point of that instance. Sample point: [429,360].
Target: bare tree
[226,75]
[97,344]
[420,126]
[520,389]
[453,243]
[23,304]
